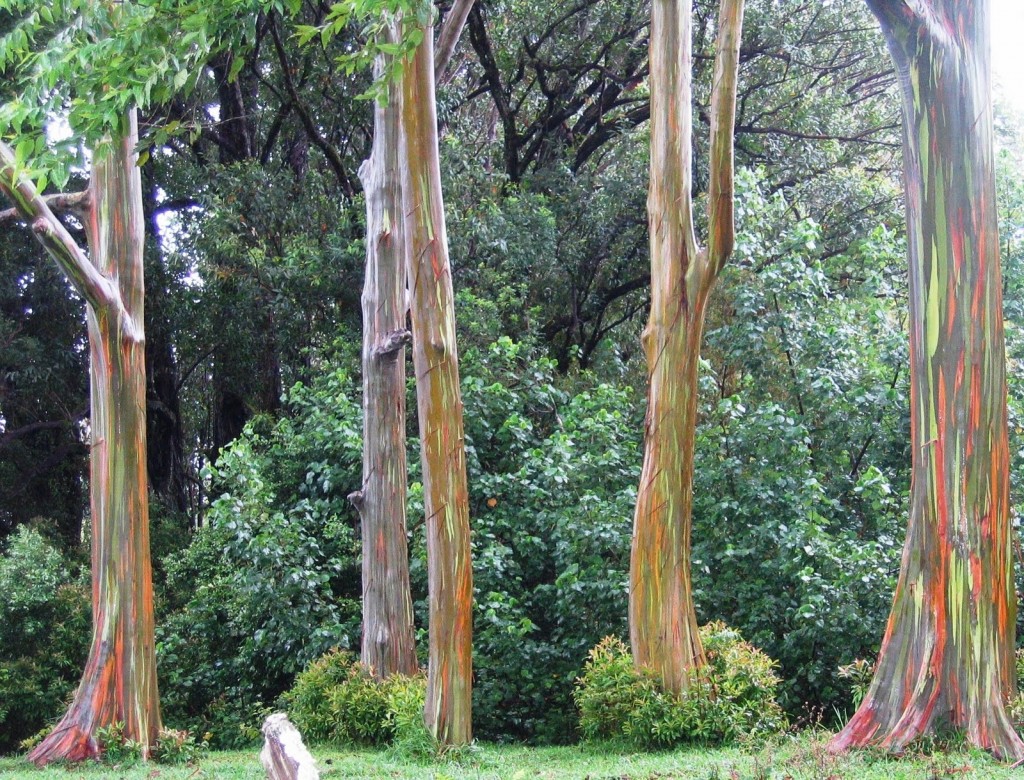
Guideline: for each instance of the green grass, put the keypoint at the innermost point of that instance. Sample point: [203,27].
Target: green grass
[804,758]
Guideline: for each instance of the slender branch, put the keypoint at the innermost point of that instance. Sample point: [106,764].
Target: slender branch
[721,222]
[308,123]
[87,280]
[451,31]
[8,437]
[195,364]
[855,467]
[76,203]
[176,204]
[864,137]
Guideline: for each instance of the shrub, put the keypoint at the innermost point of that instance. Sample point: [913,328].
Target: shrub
[731,698]
[115,747]
[174,746]
[336,700]
[859,672]
[44,634]
[272,581]
[610,690]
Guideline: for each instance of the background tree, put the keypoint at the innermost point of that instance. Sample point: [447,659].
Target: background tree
[662,620]
[947,657]
[388,643]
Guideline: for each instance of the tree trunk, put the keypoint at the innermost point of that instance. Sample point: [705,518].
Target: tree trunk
[947,656]
[663,623]
[119,682]
[388,644]
[439,403]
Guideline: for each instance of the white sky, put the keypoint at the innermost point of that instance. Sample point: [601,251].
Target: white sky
[1008,50]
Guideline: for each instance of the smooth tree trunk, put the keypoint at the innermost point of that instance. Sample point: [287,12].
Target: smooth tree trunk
[946,661]
[388,644]
[439,404]
[119,683]
[662,620]
[448,37]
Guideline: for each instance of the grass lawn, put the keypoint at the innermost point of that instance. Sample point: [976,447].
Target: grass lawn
[803,758]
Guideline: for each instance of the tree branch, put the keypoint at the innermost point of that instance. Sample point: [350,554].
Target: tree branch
[864,137]
[87,280]
[721,222]
[451,31]
[75,203]
[308,123]
[9,437]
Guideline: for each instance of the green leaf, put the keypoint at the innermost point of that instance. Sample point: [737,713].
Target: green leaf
[237,63]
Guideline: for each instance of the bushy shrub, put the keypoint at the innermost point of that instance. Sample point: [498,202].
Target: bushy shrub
[272,580]
[177,746]
[732,697]
[552,481]
[44,634]
[115,747]
[859,672]
[336,700]
[610,690]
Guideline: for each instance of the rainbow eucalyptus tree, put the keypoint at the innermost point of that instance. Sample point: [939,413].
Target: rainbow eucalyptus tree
[946,660]
[439,403]
[662,621]
[388,644]
[119,683]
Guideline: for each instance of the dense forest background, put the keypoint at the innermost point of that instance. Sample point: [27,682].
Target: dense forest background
[254,268]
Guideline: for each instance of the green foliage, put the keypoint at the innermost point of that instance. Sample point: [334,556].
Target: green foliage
[336,700]
[115,747]
[552,481]
[174,746]
[801,483]
[372,18]
[610,690]
[44,634]
[860,673]
[271,581]
[733,697]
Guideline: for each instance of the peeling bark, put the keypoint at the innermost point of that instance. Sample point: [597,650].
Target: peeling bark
[946,661]
[388,643]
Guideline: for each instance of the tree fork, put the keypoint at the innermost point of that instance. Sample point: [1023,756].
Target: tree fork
[662,618]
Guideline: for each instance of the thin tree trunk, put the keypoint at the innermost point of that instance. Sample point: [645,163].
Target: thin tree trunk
[119,682]
[946,661]
[663,623]
[449,36]
[388,644]
[439,403]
